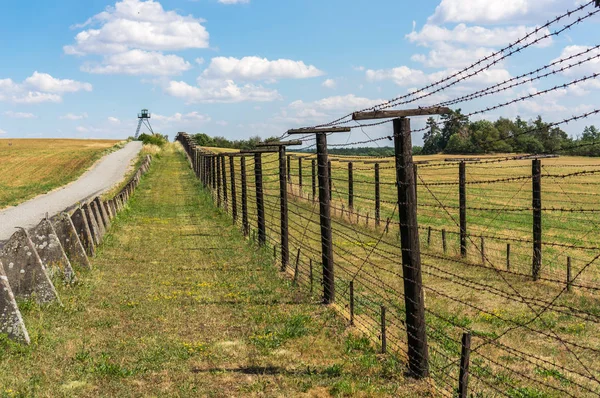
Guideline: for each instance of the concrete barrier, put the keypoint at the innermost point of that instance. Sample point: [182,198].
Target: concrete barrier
[84,232]
[91,219]
[26,273]
[99,220]
[103,213]
[69,239]
[11,321]
[50,250]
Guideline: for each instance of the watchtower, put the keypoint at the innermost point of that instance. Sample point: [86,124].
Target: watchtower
[144,118]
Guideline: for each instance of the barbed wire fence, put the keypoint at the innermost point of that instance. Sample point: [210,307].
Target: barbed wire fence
[481,274]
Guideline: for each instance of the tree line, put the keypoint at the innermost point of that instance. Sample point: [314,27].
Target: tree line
[456,134]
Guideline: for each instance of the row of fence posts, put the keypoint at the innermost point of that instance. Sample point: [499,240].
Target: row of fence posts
[462,193]
[210,169]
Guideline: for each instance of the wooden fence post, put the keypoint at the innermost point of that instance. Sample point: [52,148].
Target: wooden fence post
[224,177]
[283,207]
[218,178]
[245,224]
[300,174]
[536,177]
[325,219]
[314,179]
[350,187]
[377,196]
[418,353]
[260,204]
[351,303]
[444,244]
[330,179]
[463,381]
[289,168]
[233,189]
[462,189]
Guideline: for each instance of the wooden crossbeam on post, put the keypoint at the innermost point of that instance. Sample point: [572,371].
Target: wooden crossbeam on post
[439,110]
[325,208]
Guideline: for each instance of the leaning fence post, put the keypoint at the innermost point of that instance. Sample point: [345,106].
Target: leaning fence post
[536,177]
[260,204]
[462,193]
[418,356]
[224,172]
[463,381]
[283,204]
[350,187]
[377,196]
[245,224]
[233,189]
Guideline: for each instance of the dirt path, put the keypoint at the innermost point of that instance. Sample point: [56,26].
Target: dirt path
[106,173]
[179,304]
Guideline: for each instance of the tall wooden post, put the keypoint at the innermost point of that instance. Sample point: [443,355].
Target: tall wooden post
[418,356]
[325,217]
[260,204]
[536,176]
[233,189]
[289,168]
[463,381]
[245,224]
[218,178]
[213,169]
[377,196]
[330,184]
[283,204]
[313,163]
[224,177]
[350,187]
[300,174]
[462,199]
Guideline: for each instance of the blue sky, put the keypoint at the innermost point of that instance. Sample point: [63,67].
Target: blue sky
[238,68]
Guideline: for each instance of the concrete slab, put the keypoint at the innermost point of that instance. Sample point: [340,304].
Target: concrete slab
[91,219]
[26,273]
[103,213]
[11,321]
[84,232]
[69,239]
[51,252]
[99,220]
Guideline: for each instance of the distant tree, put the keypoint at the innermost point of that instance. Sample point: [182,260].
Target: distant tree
[432,139]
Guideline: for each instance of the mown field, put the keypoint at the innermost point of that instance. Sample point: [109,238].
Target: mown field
[30,167]
[531,339]
[179,304]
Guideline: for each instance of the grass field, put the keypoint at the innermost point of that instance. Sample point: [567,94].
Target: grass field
[179,304]
[30,167]
[532,339]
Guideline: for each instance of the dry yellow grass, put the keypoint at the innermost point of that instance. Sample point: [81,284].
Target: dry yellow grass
[30,167]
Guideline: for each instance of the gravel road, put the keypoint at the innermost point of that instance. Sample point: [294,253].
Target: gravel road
[107,172]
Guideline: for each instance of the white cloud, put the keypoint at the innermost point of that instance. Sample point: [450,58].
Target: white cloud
[405,76]
[20,115]
[72,116]
[45,83]
[114,120]
[199,61]
[234,1]
[222,91]
[486,11]
[38,88]
[255,68]
[448,56]
[136,24]
[2,132]
[589,67]
[138,62]
[476,35]
[82,129]
[329,83]
[180,117]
